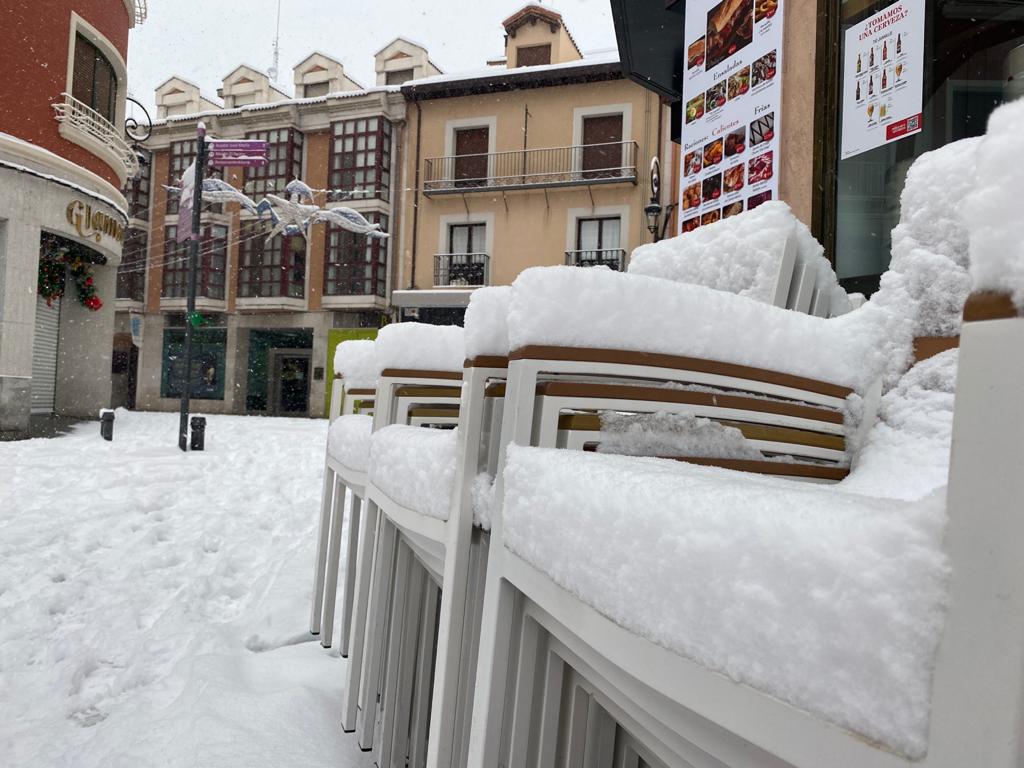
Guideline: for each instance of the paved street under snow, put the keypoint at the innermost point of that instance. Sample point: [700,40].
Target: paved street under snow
[155,605]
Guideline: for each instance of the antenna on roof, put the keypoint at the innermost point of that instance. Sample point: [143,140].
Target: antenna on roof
[277,46]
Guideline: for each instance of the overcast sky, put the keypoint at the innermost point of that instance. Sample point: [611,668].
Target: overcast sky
[204,40]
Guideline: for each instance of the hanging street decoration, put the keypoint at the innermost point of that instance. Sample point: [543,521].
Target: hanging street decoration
[56,262]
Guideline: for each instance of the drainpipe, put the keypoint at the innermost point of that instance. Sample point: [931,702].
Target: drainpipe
[416,197]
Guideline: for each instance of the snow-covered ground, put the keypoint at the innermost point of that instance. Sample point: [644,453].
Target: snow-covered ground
[154,606]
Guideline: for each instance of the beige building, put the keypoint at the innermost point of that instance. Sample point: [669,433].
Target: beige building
[541,158]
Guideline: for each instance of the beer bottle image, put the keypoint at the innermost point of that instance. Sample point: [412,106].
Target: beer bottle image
[858,90]
[871,84]
[885,50]
[884,78]
[871,60]
[858,64]
[899,44]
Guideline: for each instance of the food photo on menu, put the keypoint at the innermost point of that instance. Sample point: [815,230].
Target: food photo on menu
[732,209]
[712,188]
[691,196]
[691,224]
[762,129]
[732,179]
[695,108]
[713,153]
[739,83]
[730,29]
[765,9]
[715,96]
[695,54]
[736,142]
[711,217]
[756,200]
[692,162]
[761,168]
[763,69]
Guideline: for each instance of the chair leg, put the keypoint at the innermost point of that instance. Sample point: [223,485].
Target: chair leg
[400,660]
[348,596]
[492,667]
[319,568]
[333,556]
[357,632]
[377,611]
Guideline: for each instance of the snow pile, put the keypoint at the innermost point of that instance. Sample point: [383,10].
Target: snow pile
[670,434]
[482,495]
[742,254]
[415,467]
[996,225]
[348,440]
[830,601]
[564,306]
[927,280]
[422,347]
[356,362]
[906,453]
[155,610]
[487,322]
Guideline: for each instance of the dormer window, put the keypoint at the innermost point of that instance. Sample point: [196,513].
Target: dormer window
[533,55]
[94,82]
[313,90]
[399,76]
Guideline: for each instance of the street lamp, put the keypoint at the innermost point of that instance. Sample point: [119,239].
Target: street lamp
[653,213]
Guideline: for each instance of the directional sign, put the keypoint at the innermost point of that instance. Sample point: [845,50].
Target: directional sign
[238,161]
[253,146]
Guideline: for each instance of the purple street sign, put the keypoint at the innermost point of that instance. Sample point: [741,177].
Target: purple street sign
[237,161]
[237,146]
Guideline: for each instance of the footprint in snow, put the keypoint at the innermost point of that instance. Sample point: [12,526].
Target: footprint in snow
[258,644]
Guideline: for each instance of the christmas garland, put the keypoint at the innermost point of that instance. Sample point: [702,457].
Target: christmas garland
[54,267]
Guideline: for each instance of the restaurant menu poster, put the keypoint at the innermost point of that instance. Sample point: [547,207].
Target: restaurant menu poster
[731,98]
[883,83]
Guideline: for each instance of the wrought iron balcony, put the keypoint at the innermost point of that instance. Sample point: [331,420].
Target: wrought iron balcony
[461,270]
[532,168]
[138,9]
[85,126]
[615,258]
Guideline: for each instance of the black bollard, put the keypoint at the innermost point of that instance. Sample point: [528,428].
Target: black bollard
[107,425]
[198,433]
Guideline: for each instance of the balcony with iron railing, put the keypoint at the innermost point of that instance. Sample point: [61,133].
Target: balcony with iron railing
[138,10]
[461,270]
[614,258]
[578,165]
[86,127]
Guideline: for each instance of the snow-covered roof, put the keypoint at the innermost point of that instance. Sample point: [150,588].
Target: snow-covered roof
[547,12]
[276,104]
[609,57]
[311,54]
[403,39]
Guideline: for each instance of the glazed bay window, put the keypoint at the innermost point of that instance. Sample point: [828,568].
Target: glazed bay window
[356,265]
[271,270]
[284,162]
[213,256]
[361,157]
[94,81]
[131,273]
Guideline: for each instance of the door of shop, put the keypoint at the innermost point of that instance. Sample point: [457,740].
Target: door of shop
[44,355]
[289,382]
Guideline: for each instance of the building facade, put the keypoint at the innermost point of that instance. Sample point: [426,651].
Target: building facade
[269,306]
[64,160]
[541,158]
[867,87]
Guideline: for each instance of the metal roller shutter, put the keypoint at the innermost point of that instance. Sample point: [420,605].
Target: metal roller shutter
[44,356]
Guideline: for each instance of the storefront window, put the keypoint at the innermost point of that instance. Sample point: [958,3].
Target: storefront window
[958,62]
[208,354]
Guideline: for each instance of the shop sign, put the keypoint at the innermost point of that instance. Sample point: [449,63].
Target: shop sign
[883,78]
[731,95]
[93,225]
[135,321]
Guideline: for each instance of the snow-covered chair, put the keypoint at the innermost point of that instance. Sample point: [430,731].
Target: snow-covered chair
[357,371]
[412,356]
[355,378]
[766,254]
[729,619]
[421,485]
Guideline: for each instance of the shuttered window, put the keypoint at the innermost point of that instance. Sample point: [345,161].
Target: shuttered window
[94,81]
[533,55]
[602,146]
[471,145]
